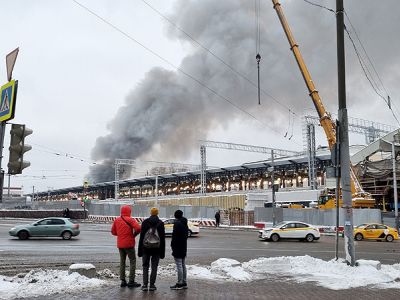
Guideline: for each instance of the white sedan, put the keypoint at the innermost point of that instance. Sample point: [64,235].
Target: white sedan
[194,228]
[290,230]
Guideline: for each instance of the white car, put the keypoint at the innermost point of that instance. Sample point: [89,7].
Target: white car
[290,230]
[194,228]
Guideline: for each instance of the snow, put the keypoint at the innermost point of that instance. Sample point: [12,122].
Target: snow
[335,275]
[45,282]
[81,266]
[331,274]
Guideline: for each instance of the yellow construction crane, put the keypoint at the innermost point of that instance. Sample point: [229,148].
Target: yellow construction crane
[361,199]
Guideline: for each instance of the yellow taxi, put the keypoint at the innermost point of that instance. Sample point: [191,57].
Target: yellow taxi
[374,231]
[194,228]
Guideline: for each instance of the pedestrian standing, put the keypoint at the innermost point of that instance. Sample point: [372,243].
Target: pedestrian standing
[126,229]
[217,218]
[151,247]
[179,248]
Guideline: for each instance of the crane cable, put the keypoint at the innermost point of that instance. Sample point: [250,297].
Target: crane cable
[258,56]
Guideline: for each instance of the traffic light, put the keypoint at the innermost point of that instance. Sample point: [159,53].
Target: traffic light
[17,149]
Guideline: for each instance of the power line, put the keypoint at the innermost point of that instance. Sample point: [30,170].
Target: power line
[234,70]
[319,5]
[61,154]
[371,63]
[362,63]
[174,66]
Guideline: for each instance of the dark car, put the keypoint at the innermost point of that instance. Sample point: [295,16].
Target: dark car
[49,227]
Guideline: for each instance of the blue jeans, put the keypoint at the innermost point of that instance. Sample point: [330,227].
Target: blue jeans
[181,268]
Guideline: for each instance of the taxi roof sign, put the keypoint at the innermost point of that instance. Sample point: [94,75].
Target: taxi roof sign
[8,100]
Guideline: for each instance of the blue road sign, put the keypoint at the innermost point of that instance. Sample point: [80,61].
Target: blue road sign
[8,100]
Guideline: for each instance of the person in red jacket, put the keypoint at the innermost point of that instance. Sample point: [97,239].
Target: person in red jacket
[126,229]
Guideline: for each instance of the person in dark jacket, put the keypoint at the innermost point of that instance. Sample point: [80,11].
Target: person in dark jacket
[151,254]
[126,229]
[217,218]
[179,248]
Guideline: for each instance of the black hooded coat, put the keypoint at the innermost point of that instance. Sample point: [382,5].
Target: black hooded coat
[179,238]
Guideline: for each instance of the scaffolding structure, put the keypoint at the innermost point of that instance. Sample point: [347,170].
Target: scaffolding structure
[238,147]
[119,162]
[371,130]
[311,154]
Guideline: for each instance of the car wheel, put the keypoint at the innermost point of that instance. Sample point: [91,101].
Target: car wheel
[23,235]
[66,235]
[389,238]
[275,237]
[189,233]
[359,237]
[309,238]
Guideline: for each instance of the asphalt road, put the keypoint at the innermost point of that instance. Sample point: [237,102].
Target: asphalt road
[96,245]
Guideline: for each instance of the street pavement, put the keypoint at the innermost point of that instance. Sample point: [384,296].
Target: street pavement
[96,245]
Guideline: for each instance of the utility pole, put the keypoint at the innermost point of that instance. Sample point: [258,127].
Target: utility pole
[273,189]
[336,153]
[344,138]
[396,208]
[156,191]
[9,182]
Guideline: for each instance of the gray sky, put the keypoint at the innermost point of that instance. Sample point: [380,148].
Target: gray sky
[78,77]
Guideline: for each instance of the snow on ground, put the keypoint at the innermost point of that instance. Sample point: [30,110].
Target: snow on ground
[332,274]
[45,282]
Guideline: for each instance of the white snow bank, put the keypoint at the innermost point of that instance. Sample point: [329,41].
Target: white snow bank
[45,282]
[81,266]
[332,274]
[335,275]
[230,268]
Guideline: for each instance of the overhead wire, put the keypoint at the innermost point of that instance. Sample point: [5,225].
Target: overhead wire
[224,98]
[62,154]
[388,102]
[362,63]
[363,67]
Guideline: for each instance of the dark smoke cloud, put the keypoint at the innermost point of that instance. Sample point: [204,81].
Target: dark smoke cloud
[168,112]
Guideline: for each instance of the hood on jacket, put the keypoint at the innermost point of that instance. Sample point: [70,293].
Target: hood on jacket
[153,220]
[126,211]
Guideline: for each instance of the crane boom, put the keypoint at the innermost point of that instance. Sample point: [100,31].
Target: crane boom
[325,118]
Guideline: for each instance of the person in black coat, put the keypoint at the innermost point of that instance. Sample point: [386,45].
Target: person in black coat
[217,218]
[155,254]
[179,248]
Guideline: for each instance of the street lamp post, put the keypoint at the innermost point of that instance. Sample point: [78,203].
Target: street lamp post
[396,139]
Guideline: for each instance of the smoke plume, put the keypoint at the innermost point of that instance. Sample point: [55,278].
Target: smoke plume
[168,112]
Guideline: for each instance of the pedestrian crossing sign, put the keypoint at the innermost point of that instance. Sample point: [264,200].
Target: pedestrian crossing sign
[7,100]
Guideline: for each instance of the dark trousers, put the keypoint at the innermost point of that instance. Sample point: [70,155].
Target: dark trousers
[130,252]
[154,265]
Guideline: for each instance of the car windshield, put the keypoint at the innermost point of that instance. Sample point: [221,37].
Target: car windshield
[280,224]
[361,225]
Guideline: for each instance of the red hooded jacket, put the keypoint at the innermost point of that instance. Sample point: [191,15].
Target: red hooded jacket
[125,234]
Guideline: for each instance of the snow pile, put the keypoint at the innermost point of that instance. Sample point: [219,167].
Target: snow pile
[81,266]
[230,268]
[45,282]
[332,274]
[335,275]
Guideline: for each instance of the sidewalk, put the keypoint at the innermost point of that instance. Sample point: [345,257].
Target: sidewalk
[273,288]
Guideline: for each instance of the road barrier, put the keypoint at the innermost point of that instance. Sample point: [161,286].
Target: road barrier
[109,219]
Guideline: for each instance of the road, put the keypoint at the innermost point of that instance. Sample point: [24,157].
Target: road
[96,245]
